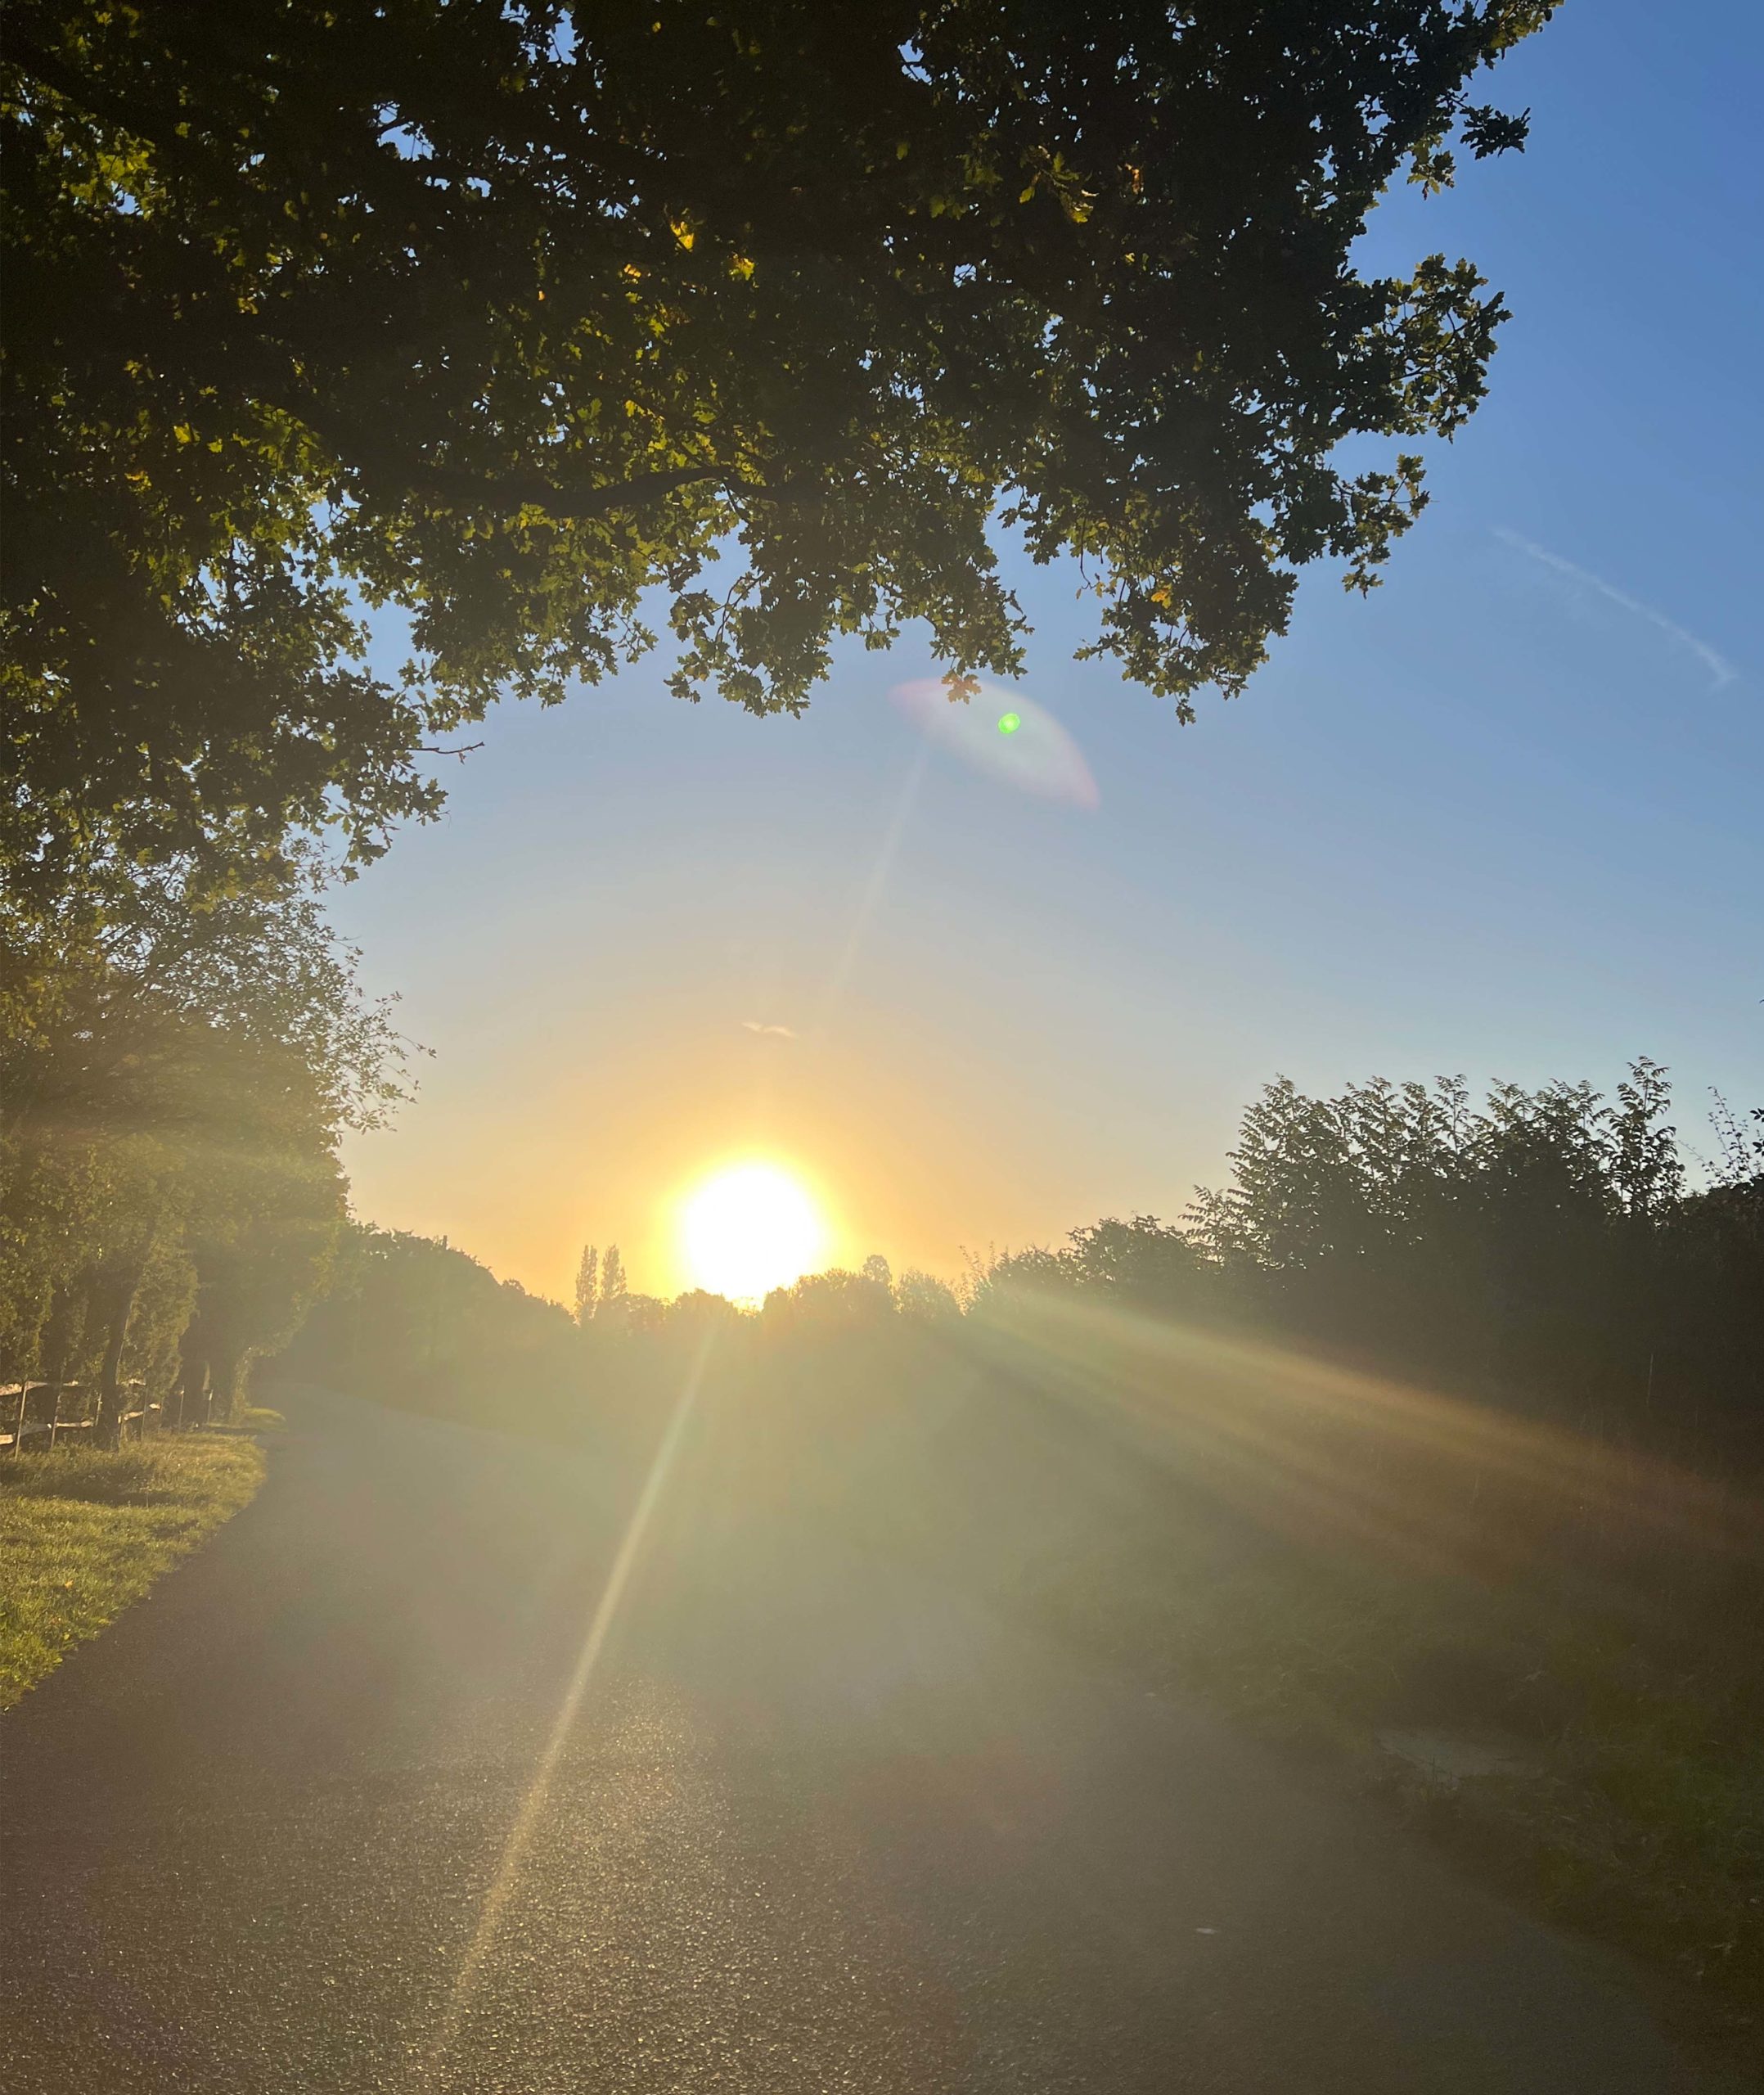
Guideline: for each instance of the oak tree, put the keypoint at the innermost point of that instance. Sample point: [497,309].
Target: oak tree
[523,323]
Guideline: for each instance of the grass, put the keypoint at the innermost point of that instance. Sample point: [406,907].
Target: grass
[85,1532]
[1633,1803]
[1412,1583]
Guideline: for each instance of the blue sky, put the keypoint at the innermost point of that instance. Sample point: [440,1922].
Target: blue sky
[1506,816]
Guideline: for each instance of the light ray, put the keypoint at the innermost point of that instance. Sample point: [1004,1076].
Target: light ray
[533,1805]
[841,973]
[1372,1461]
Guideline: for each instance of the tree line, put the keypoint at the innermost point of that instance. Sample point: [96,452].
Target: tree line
[1541,1251]
[1553,1250]
[177,1063]
[417,1323]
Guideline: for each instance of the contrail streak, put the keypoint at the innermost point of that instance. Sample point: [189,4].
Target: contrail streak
[1716,663]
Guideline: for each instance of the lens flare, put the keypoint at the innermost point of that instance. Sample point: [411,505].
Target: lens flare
[1005,735]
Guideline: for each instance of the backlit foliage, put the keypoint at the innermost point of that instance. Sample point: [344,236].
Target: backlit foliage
[522,319]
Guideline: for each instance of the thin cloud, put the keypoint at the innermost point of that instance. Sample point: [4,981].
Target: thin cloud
[1712,660]
[775,1032]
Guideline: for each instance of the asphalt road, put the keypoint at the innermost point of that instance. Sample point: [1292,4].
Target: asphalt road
[306,1819]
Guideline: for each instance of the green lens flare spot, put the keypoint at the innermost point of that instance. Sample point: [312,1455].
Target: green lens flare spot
[1009,722]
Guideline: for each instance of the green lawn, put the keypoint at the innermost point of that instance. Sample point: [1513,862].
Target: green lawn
[84,1533]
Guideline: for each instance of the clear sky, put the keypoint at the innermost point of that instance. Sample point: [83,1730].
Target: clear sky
[1505,816]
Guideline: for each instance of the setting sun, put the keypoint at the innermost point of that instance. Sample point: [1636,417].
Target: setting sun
[750,1229]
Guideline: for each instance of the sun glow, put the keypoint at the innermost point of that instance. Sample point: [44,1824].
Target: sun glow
[750,1228]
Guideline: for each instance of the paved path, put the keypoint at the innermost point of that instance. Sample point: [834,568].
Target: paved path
[819,1823]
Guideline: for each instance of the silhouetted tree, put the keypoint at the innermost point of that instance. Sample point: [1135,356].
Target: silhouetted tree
[1142,1261]
[925,1298]
[831,1301]
[1540,1248]
[587,1285]
[698,1311]
[642,1315]
[1540,1245]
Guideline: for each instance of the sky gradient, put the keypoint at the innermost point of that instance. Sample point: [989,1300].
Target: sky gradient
[1505,817]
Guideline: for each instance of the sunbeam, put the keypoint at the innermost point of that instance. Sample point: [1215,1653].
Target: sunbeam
[1371,1461]
[533,1803]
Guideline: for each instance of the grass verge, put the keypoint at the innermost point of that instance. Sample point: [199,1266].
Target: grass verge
[85,1532]
[1621,1792]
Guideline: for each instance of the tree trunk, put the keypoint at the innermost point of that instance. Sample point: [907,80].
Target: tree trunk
[181,1404]
[224,1372]
[198,1387]
[185,1392]
[120,1308]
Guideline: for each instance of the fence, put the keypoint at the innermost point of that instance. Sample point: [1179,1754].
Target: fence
[33,1410]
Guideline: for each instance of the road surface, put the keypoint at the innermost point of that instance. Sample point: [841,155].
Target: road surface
[306,1820]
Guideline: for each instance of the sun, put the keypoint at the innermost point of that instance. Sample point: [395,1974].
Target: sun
[750,1228]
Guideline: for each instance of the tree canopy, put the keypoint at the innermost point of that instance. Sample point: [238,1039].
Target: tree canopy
[514,318]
